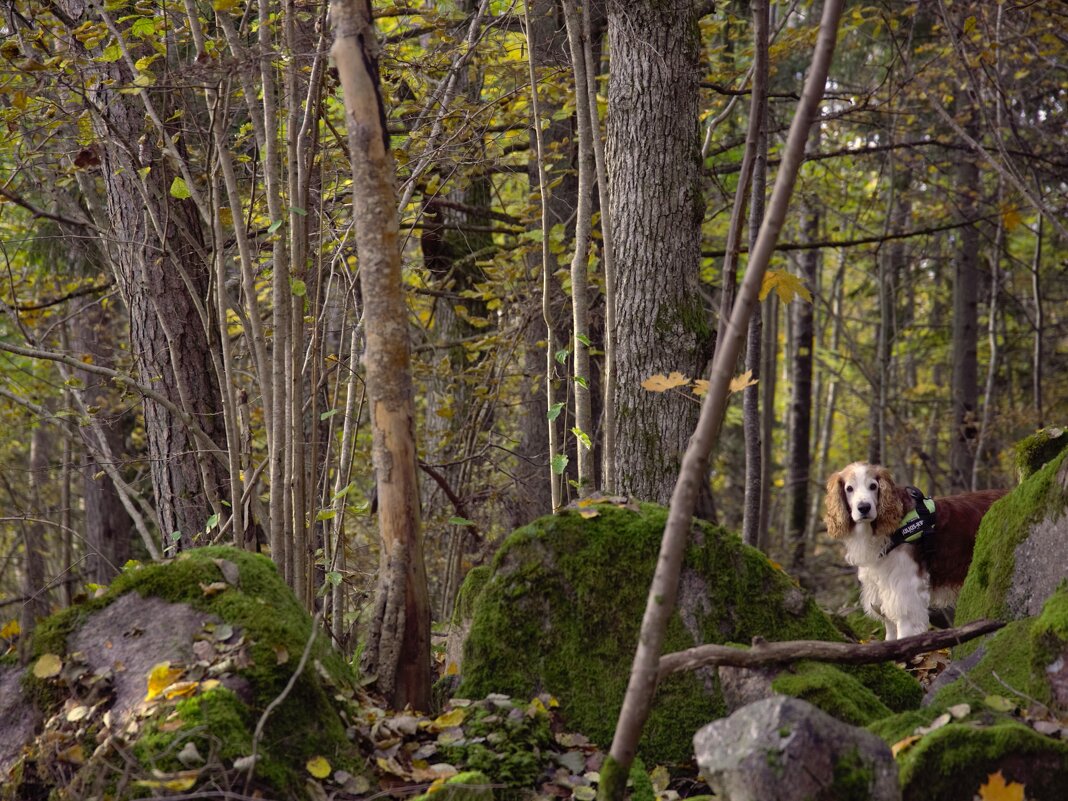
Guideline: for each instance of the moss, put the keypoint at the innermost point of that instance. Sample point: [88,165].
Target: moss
[953,761]
[613,780]
[473,583]
[503,741]
[852,779]
[1004,527]
[835,692]
[641,784]
[306,724]
[562,610]
[1041,447]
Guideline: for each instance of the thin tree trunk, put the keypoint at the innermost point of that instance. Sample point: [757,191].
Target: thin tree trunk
[799,421]
[965,332]
[580,260]
[1038,357]
[398,650]
[664,588]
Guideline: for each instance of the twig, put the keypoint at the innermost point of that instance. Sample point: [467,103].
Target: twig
[258,733]
[774,653]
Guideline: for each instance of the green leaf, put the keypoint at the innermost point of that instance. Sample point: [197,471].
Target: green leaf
[298,210]
[213,521]
[585,340]
[274,226]
[298,287]
[554,411]
[145,27]
[333,578]
[561,355]
[111,54]
[179,188]
[582,437]
[326,514]
[460,521]
[175,536]
[559,463]
[328,415]
[581,381]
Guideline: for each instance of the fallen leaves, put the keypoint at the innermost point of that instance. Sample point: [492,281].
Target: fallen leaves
[995,788]
[48,666]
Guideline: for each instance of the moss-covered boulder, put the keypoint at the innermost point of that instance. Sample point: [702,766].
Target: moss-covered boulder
[158,686]
[1000,716]
[561,607]
[1021,553]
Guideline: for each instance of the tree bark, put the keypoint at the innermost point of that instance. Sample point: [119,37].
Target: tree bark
[656,207]
[799,415]
[965,331]
[664,587]
[398,651]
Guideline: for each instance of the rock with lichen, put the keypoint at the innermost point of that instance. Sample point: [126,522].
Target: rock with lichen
[157,686]
[1021,553]
[560,610]
[784,749]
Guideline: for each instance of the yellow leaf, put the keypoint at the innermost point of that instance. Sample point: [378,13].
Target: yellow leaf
[178,782]
[660,778]
[700,387]
[449,720]
[588,513]
[452,669]
[10,629]
[996,789]
[740,382]
[181,689]
[318,767]
[1010,217]
[786,285]
[160,678]
[662,383]
[47,666]
[901,745]
[214,588]
[536,708]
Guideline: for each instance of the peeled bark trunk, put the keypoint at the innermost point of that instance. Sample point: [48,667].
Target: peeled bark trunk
[656,208]
[398,650]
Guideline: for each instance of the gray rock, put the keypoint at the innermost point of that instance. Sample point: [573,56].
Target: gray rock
[1041,563]
[785,749]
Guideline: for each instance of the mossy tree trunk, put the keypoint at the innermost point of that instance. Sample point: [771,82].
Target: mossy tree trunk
[398,650]
[653,159]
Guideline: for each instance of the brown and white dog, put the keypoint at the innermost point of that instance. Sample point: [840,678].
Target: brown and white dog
[900,579]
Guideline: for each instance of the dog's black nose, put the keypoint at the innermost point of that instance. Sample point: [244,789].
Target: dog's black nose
[864,508]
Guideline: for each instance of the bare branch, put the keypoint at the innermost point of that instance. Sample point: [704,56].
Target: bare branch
[777,653]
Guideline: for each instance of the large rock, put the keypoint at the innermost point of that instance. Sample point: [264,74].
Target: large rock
[784,749]
[1006,713]
[560,609]
[1021,554]
[158,685]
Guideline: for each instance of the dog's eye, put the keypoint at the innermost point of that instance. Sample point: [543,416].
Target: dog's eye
[873,486]
[849,488]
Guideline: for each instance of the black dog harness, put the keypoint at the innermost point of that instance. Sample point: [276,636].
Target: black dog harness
[917,524]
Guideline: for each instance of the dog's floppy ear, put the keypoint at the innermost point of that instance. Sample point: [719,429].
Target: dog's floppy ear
[890,510]
[838,519]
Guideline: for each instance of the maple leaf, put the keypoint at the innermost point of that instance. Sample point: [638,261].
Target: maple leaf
[786,285]
[997,789]
[662,383]
[740,382]
[160,678]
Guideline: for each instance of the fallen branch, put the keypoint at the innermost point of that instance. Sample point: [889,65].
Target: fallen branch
[774,653]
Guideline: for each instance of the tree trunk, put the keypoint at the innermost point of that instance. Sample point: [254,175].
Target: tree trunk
[653,168]
[965,330]
[799,415]
[398,650]
[108,527]
[162,275]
